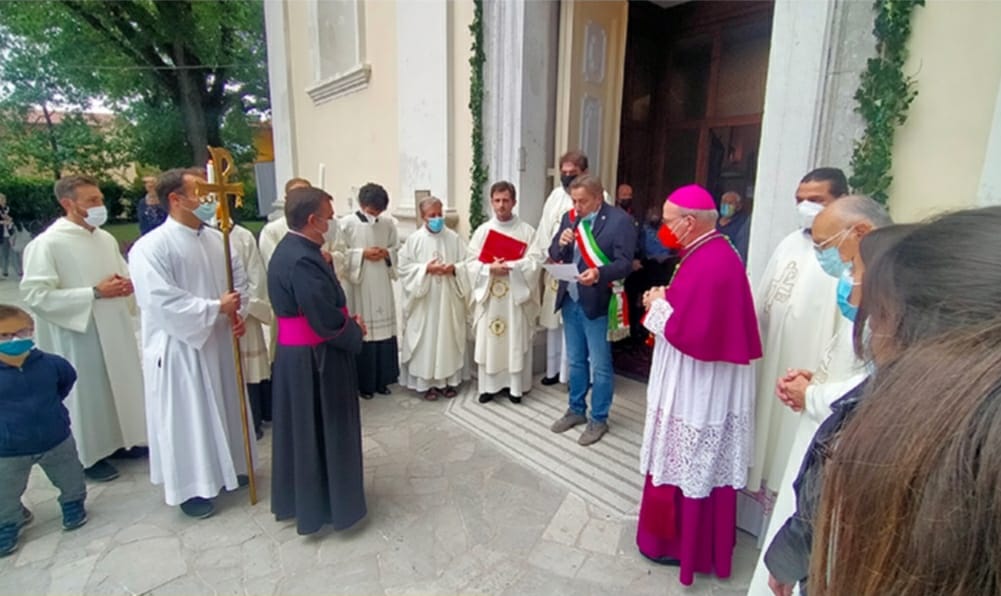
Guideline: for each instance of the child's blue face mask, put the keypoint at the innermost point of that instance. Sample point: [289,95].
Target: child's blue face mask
[17,346]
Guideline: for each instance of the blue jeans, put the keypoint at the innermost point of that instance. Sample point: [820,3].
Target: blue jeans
[590,357]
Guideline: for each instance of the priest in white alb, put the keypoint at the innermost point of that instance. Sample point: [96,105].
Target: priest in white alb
[433,350]
[797,313]
[368,247]
[504,295]
[77,285]
[572,165]
[189,318]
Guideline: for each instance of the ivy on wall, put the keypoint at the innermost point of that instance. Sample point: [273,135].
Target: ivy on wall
[478,170]
[883,97]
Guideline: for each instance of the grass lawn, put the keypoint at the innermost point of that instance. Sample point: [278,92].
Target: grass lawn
[126,233]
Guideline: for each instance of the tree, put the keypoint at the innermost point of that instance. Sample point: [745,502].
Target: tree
[176,68]
[41,136]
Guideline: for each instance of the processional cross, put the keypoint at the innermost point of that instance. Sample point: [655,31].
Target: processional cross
[217,190]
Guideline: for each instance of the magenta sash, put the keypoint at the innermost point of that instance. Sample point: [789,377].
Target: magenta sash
[296,331]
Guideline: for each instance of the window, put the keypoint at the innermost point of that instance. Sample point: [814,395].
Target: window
[338,57]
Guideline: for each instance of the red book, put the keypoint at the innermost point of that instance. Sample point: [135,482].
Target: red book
[501,246]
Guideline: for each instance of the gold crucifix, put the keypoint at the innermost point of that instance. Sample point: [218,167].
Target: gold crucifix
[217,190]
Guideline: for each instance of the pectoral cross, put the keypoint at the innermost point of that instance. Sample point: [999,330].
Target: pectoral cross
[218,189]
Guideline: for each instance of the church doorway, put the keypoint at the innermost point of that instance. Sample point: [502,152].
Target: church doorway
[692,102]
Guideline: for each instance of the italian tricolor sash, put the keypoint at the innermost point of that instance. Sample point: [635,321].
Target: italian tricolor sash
[590,252]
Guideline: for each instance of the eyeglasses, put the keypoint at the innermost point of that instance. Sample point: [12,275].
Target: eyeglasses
[25,333]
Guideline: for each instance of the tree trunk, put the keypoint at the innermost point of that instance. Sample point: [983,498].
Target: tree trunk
[191,107]
[50,129]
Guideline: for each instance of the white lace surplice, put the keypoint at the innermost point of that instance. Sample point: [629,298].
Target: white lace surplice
[699,431]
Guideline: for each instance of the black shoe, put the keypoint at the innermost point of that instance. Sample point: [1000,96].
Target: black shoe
[102,471]
[243,480]
[486,397]
[383,391]
[259,433]
[366,395]
[137,452]
[515,399]
[550,380]
[669,561]
[198,507]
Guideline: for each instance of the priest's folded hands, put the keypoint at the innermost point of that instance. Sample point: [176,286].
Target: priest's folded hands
[114,286]
[652,295]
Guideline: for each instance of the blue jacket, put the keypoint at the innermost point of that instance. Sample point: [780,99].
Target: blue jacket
[615,232]
[33,418]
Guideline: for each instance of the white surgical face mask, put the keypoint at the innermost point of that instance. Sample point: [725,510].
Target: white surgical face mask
[808,210]
[96,216]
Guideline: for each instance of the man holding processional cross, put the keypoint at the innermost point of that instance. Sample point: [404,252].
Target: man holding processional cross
[189,317]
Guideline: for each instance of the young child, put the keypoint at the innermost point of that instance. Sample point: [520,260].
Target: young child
[34,427]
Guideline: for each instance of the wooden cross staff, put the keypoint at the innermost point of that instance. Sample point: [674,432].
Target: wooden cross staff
[218,189]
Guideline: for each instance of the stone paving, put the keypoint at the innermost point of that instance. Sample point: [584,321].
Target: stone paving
[450,512]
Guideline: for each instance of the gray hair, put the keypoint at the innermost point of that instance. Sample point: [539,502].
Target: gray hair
[427,203]
[734,193]
[854,209]
[704,216]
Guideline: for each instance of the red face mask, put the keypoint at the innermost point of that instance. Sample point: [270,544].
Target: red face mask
[668,238]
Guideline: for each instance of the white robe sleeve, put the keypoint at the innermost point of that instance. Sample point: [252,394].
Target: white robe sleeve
[258,305]
[352,256]
[524,275]
[414,279]
[180,314]
[394,250]
[820,397]
[477,273]
[41,291]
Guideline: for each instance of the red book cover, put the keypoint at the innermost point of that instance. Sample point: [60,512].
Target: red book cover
[501,246]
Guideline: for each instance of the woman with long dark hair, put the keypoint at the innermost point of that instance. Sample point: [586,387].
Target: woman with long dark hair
[912,488]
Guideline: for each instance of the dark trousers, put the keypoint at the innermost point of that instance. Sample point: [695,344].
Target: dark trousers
[61,464]
[259,396]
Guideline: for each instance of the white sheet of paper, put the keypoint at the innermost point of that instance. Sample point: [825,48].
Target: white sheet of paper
[562,271]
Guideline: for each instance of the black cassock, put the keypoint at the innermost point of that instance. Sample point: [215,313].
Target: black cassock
[317,474]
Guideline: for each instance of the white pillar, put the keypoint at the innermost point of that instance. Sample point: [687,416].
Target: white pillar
[424,104]
[989,189]
[279,84]
[797,65]
[520,38]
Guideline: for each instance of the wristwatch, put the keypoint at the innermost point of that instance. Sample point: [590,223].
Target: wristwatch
[97,294]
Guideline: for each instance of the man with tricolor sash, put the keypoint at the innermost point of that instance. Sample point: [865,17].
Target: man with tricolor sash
[600,240]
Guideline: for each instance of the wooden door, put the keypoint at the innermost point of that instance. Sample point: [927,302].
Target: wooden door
[589,90]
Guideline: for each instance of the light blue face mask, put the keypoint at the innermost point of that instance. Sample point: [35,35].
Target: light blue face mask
[727,210]
[436,224]
[831,263]
[17,346]
[845,285]
[590,217]
[205,212]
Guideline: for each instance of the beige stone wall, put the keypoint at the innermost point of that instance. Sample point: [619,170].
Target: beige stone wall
[460,17]
[955,55]
[355,136]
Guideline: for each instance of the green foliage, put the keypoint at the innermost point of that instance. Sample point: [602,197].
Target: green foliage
[478,170]
[33,205]
[184,73]
[883,97]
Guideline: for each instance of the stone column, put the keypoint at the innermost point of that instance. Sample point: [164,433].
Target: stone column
[280,85]
[797,66]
